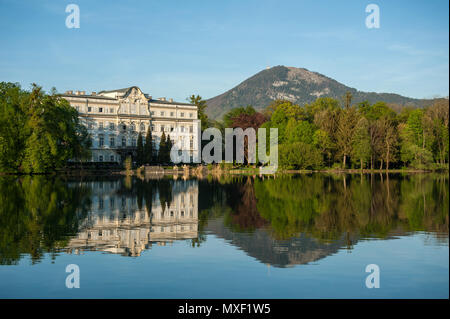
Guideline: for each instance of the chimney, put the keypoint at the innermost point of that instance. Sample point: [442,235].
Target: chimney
[162,99]
[82,92]
[94,93]
[77,92]
[69,92]
[171,100]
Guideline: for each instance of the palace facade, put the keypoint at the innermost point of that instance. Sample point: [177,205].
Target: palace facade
[115,118]
[116,223]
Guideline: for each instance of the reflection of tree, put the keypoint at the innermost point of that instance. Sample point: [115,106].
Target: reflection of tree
[165,192]
[244,215]
[36,215]
[426,203]
[332,206]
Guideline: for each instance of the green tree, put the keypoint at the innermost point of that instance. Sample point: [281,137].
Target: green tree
[347,121]
[324,144]
[140,150]
[43,132]
[13,129]
[168,147]
[201,107]
[299,156]
[148,147]
[162,151]
[361,142]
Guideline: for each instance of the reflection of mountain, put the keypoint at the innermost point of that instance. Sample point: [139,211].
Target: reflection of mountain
[279,253]
[117,224]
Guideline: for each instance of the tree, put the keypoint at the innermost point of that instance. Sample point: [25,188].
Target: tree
[42,131]
[436,119]
[148,147]
[390,141]
[299,156]
[299,131]
[162,149]
[201,106]
[323,143]
[348,99]
[361,142]
[229,117]
[244,121]
[346,126]
[13,130]
[140,150]
[168,148]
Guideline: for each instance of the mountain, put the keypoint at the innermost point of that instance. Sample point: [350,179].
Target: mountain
[297,85]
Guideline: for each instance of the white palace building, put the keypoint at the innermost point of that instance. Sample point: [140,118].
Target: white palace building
[115,118]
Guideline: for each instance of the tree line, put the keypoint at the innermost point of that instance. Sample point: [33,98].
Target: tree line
[39,132]
[329,133]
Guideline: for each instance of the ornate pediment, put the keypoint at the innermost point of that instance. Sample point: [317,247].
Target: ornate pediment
[133,101]
[135,95]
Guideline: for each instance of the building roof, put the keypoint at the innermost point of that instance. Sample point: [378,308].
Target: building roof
[126,92]
[168,102]
[89,96]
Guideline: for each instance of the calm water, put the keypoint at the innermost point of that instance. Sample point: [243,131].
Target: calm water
[303,236]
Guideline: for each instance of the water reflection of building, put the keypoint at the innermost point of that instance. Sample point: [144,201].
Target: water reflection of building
[117,223]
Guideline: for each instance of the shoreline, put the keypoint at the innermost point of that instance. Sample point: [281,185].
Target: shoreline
[193,171]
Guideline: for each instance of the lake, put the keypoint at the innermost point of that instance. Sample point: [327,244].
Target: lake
[293,236]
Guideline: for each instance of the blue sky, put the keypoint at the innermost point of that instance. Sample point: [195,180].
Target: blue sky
[177,48]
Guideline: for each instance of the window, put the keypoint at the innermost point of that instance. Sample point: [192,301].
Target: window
[100,110]
[100,140]
[78,108]
[152,113]
[182,129]
[182,114]
[112,158]
[89,109]
[191,129]
[124,142]
[191,114]
[191,144]
[133,142]
[100,158]
[111,141]
[171,114]
[153,128]
[124,127]
[163,113]
[100,125]
[133,127]
[142,127]
[171,128]
[162,128]
[111,110]
[111,126]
